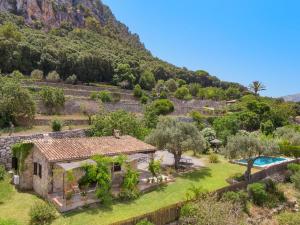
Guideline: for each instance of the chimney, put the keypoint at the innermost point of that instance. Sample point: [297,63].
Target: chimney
[117,134]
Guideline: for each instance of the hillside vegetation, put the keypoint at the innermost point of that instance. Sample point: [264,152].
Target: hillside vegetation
[93,53]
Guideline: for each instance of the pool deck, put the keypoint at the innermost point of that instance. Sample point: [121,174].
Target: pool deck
[262,166]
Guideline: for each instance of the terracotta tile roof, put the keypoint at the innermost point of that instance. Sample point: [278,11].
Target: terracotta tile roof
[82,148]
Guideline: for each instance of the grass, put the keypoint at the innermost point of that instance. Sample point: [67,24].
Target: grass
[210,177]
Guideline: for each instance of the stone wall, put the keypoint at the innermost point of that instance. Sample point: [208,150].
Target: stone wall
[7,142]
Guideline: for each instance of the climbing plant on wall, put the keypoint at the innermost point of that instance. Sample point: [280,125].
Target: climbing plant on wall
[100,174]
[21,152]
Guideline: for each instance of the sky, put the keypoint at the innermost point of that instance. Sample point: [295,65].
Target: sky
[235,40]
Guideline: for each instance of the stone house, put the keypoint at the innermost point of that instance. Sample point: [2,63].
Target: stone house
[46,166]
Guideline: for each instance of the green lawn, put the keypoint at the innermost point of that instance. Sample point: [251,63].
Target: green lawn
[211,178]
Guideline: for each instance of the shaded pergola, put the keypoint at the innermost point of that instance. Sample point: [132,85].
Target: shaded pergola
[216,143]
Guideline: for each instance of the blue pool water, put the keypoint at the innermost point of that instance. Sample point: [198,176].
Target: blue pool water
[264,161]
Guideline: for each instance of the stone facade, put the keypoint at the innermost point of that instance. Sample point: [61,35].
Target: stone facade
[7,142]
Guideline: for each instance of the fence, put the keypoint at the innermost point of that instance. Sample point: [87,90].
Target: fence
[171,213]
[161,216]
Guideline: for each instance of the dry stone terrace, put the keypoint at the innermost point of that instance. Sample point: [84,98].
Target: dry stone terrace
[7,142]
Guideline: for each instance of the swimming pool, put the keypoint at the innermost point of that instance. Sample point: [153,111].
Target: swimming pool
[264,161]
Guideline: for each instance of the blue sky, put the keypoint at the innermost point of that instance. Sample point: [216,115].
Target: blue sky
[236,40]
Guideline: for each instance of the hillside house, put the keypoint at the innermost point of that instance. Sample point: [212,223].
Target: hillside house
[47,165]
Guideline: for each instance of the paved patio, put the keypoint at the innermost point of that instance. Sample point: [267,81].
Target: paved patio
[168,160]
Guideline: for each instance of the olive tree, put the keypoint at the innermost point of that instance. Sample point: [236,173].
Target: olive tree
[249,147]
[176,137]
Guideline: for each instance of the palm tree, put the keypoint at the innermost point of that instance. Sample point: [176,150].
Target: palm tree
[256,87]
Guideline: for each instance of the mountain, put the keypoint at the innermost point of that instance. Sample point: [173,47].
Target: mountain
[80,37]
[292,98]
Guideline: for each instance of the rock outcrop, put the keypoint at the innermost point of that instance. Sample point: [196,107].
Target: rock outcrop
[54,12]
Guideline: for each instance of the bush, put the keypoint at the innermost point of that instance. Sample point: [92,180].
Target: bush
[183,93]
[296,180]
[37,75]
[8,222]
[290,150]
[42,213]
[145,222]
[163,106]
[71,79]
[293,167]
[2,172]
[52,98]
[188,210]
[213,158]
[171,85]
[239,197]
[147,80]
[104,96]
[267,127]
[53,76]
[56,125]
[144,99]
[154,167]
[257,191]
[137,91]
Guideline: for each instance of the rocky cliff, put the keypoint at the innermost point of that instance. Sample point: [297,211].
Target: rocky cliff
[55,13]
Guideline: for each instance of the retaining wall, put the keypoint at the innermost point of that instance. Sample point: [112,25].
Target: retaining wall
[7,142]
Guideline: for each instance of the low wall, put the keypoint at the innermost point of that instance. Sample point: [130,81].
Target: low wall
[7,142]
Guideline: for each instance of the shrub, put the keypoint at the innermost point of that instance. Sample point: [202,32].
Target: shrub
[56,125]
[239,197]
[129,189]
[290,150]
[53,76]
[104,96]
[154,167]
[42,213]
[163,106]
[257,191]
[237,176]
[52,98]
[183,93]
[8,222]
[171,85]
[144,222]
[296,180]
[213,158]
[267,127]
[147,80]
[188,210]
[137,91]
[37,75]
[2,172]
[144,99]
[71,79]
[293,167]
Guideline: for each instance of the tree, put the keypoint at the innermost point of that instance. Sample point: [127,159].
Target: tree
[267,127]
[226,126]
[233,93]
[147,80]
[249,121]
[104,124]
[124,76]
[53,99]
[16,104]
[249,148]
[88,109]
[257,87]
[171,85]
[176,137]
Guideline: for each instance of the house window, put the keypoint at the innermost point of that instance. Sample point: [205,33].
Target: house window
[14,163]
[40,170]
[35,168]
[117,167]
